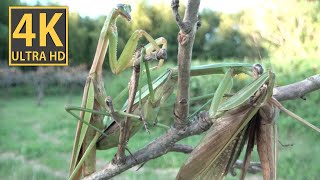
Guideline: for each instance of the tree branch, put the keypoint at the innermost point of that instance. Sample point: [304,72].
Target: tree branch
[181,148]
[253,168]
[156,148]
[298,89]
[185,39]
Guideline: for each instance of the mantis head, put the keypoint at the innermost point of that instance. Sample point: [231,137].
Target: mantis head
[257,70]
[124,10]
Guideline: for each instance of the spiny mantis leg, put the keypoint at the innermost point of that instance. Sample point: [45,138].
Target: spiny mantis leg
[69,109]
[140,89]
[275,153]
[112,111]
[149,81]
[124,127]
[118,66]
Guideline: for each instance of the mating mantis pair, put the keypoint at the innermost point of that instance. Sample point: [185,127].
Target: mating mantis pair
[96,104]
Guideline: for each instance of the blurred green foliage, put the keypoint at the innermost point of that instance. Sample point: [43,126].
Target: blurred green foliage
[4,22]
[272,30]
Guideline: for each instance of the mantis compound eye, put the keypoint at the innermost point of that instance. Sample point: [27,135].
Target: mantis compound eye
[124,10]
[257,70]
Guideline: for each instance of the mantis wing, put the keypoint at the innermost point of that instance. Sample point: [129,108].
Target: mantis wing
[87,102]
[205,160]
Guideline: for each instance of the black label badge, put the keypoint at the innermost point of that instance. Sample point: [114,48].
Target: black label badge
[38,36]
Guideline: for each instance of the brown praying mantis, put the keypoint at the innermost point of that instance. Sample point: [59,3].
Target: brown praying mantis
[249,115]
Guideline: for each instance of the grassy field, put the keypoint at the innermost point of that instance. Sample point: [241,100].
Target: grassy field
[36,141]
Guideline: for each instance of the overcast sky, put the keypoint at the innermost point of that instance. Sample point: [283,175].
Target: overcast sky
[94,8]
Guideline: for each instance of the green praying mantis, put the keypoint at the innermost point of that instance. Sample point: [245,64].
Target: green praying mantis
[94,96]
[249,115]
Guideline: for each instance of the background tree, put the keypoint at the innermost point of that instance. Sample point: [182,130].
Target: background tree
[4,22]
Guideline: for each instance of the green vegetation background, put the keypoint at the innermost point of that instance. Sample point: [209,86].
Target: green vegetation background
[36,141]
